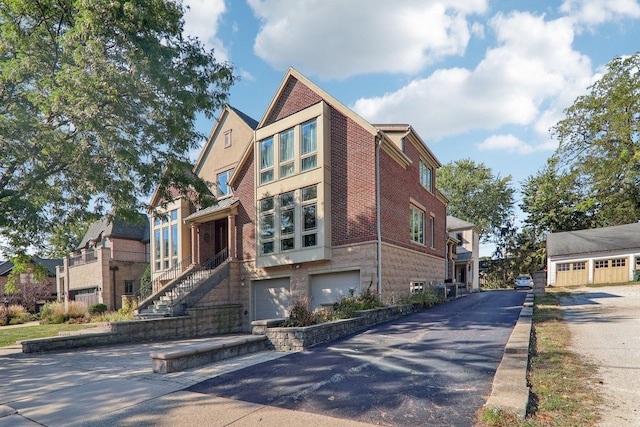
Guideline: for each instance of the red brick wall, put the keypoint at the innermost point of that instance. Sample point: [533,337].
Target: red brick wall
[294,97]
[245,219]
[353,187]
[397,186]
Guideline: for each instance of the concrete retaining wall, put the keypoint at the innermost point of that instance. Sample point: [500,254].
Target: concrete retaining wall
[199,322]
[296,339]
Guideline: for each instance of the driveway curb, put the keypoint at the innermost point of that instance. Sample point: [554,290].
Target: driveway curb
[510,391]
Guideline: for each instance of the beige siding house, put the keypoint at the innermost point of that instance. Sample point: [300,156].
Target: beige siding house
[107,265]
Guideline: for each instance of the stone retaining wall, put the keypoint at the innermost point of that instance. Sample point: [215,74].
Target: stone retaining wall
[199,322]
[296,339]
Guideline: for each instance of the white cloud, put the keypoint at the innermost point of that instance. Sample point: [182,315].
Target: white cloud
[338,39]
[201,21]
[594,12]
[508,143]
[532,73]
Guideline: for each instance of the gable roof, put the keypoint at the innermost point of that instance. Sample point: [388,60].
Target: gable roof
[226,111]
[593,240]
[49,264]
[343,109]
[117,229]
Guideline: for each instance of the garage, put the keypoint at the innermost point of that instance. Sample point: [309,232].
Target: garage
[610,270]
[328,288]
[572,273]
[271,298]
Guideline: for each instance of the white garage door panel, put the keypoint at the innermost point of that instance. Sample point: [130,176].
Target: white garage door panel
[328,288]
[271,298]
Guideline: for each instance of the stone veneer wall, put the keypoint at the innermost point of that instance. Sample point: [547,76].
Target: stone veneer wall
[296,339]
[401,266]
[199,322]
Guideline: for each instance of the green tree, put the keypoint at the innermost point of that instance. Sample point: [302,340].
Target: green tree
[556,201]
[600,143]
[98,102]
[477,196]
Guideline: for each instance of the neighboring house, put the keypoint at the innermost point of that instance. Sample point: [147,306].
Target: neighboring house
[313,201]
[41,290]
[464,267]
[598,255]
[107,265]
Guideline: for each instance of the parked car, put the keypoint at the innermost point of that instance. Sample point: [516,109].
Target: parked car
[523,281]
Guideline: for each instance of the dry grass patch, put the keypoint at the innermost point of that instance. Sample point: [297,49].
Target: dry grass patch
[562,385]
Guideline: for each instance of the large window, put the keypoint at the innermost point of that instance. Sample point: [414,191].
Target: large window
[416,225]
[166,240]
[289,220]
[309,216]
[267,225]
[286,153]
[309,146]
[266,161]
[223,183]
[426,176]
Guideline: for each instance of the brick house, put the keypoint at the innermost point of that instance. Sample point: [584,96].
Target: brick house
[315,202]
[41,291]
[107,265]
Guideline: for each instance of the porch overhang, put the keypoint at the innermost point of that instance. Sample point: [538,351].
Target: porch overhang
[223,209]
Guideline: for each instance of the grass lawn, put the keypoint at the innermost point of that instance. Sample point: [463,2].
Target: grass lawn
[10,336]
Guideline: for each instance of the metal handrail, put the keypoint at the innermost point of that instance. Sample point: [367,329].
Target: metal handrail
[148,288]
[200,272]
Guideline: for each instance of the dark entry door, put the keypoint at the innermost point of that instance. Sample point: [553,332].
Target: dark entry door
[221,235]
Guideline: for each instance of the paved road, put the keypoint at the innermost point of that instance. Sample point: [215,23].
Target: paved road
[432,368]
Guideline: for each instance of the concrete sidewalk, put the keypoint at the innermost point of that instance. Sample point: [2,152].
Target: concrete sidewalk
[115,386]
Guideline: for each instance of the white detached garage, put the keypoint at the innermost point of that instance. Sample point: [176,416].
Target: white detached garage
[598,255]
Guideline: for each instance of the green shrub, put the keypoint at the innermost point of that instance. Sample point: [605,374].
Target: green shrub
[346,307]
[300,314]
[428,298]
[97,309]
[20,319]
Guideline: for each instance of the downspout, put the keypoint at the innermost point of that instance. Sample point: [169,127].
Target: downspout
[379,232]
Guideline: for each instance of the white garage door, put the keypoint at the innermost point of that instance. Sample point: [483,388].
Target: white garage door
[270,298]
[328,288]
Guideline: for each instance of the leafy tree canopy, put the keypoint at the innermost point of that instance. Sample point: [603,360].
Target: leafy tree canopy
[600,145]
[477,196]
[98,99]
[556,200]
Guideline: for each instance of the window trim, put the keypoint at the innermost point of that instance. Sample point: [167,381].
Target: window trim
[413,210]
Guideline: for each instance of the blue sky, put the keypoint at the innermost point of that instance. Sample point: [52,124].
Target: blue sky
[477,79]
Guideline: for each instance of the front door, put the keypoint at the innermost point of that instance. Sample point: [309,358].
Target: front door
[221,235]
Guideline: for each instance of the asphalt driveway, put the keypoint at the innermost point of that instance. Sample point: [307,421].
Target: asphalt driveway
[431,368]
